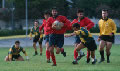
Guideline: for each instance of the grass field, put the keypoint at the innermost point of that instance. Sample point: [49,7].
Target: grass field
[38,63]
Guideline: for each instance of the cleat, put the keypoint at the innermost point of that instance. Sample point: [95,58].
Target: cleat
[101,60]
[48,61]
[94,62]
[54,65]
[75,62]
[64,54]
[40,54]
[35,54]
[79,57]
[108,61]
[88,60]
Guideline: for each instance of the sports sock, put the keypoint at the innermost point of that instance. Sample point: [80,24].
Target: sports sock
[75,54]
[53,58]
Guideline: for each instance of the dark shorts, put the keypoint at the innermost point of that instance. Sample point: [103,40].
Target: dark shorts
[90,44]
[15,57]
[56,40]
[108,38]
[46,38]
[36,39]
[77,39]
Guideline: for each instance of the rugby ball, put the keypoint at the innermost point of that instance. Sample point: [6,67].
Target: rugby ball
[58,25]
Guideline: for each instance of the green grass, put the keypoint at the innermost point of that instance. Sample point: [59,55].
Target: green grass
[38,63]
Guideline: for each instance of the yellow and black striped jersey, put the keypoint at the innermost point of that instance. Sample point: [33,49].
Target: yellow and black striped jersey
[35,31]
[16,51]
[107,26]
[84,34]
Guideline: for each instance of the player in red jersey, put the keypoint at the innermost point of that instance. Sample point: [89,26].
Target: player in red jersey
[46,33]
[56,37]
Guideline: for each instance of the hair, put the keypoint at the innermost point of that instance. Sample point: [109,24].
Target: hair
[76,25]
[17,42]
[105,10]
[36,21]
[55,8]
[46,12]
[80,11]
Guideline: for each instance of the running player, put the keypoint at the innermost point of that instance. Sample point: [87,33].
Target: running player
[86,41]
[37,38]
[56,37]
[107,30]
[14,53]
[46,33]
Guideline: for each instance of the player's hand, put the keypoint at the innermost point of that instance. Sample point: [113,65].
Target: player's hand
[62,24]
[85,27]
[66,36]
[98,39]
[111,34]
[54,26]
[27,58]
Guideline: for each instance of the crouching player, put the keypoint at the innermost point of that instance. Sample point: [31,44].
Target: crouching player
[86,41]
[14,53]
[38,37]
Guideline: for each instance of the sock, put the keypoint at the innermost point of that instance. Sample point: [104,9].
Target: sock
[75,54]
[108,56]
[53,58]
[48,54]
[93,59]
[62,50]
[81,53]
[102,54]
[35,52]
[88,54]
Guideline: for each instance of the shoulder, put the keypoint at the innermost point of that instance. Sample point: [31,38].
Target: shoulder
[61,16]
[111,20]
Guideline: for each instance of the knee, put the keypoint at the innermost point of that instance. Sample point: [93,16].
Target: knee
[57,52]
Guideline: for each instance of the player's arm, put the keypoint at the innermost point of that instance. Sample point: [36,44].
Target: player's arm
[100,32]
[69,35]
[114,29]
[41,27]
[23,50]
[89,24]
[31,31]
[10,54]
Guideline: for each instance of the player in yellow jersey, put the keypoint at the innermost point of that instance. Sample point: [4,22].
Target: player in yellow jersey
[14,53]
[37,38]
[86,41]
[107,30]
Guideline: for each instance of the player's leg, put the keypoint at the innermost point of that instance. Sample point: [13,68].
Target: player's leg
[20,58]
[101,49]
[94,60]
[47,52]
[78,48]
[7,58]
[77,41]
[108,47]
[34,46]
[60,43]
[88,56]
[40,45]
[52,40]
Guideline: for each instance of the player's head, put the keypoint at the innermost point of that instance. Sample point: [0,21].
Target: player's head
[80,13]
[54,11]
[17,44]
[36,22]
[46,15]
[104,13]
[76,26]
